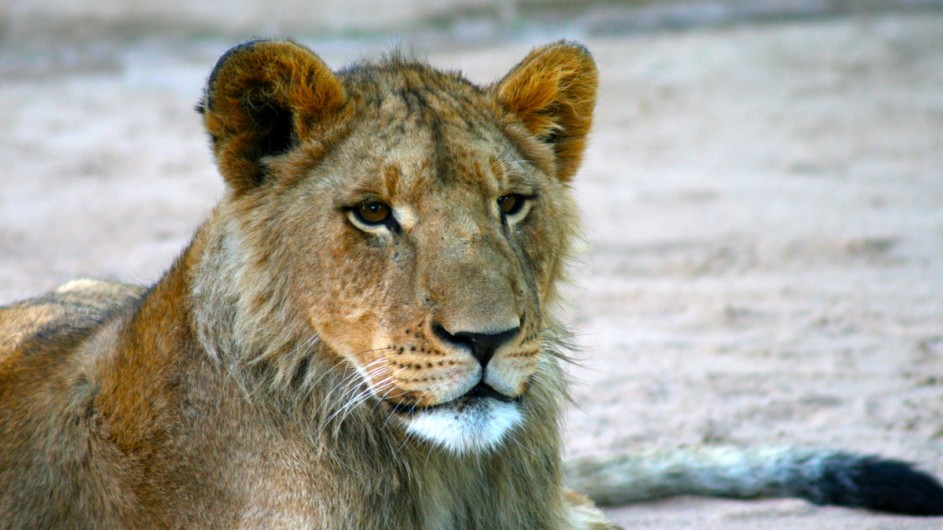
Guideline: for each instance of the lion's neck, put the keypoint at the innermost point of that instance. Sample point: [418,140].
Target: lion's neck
[406,483]
[357,464]
[137,380]
[518,482]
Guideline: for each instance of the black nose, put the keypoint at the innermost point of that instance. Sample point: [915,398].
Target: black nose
[482,345]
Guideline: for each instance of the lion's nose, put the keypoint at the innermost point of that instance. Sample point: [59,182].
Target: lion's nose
[482,345]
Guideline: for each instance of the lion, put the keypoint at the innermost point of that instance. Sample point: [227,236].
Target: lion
[362,333]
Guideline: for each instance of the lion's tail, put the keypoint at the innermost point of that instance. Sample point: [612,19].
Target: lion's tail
[819,476]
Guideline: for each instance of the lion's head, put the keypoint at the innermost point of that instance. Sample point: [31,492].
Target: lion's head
[413,223]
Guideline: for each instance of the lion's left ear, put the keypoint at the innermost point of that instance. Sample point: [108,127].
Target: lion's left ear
[553,92]
[262,99]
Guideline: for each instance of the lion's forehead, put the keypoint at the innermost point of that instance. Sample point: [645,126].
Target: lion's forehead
[416,86]
[411,163]
[419,130]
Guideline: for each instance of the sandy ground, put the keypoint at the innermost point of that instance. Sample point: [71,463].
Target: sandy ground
[763,213]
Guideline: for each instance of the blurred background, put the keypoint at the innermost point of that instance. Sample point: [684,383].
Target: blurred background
[36,31]
[466,18]
[762,259]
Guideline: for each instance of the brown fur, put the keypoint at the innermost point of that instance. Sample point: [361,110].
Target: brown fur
[255,385]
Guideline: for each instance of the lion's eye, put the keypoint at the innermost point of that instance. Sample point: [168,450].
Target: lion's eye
[511,204]
[373,213]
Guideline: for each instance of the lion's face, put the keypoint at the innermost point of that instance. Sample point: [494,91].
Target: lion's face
[428,267]
[419,230]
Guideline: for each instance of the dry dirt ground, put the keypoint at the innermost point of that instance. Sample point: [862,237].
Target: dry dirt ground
[763,210]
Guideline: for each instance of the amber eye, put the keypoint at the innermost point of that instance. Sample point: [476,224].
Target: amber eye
[373,213]
[510,204]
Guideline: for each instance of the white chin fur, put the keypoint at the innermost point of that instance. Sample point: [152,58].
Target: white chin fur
[476,427]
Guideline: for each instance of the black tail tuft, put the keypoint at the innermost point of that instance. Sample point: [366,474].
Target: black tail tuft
[878,484]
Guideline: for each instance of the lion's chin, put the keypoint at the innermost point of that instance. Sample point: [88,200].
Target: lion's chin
[476,425]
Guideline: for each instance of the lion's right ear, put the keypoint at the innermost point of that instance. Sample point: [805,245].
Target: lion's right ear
[264,98]
[553,93]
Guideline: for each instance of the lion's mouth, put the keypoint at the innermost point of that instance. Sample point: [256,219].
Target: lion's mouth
[476,421]
[478,393]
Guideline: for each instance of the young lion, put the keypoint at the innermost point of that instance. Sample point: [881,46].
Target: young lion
[358,336]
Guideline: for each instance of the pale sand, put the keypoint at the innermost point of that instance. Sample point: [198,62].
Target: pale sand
[763,212]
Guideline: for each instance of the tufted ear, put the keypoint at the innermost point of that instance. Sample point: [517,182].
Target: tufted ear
[262,99]
[553,92]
